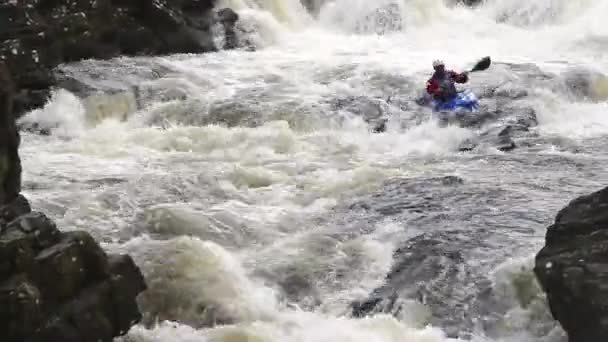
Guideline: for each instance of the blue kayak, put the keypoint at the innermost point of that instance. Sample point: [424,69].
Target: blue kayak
[463,99]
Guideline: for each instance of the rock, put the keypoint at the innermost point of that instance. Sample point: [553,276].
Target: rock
[312,6]
[435,270]
[583,84]
[228,19]
[127,282]
[39,35]
[40,228]
[10,164]
[17,207]
[20,304]
[467,145]
[420,262]
[572,267]
[506,144]
[70,264]
[62,286]
[379,126]
[469,2]
[372,110]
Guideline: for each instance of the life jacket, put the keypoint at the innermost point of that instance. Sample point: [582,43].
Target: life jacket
[446,82]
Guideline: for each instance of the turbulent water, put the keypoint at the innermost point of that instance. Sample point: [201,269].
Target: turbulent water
[253,192]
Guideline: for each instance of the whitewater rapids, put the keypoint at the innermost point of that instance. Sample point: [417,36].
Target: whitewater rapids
[260,206]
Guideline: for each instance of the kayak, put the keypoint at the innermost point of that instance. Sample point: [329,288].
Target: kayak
[463,99]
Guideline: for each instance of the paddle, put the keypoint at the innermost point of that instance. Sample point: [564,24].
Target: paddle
[483,64]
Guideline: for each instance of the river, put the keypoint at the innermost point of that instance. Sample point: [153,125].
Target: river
[259,204]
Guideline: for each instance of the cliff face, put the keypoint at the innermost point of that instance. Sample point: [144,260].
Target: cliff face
[10,165]
[572,267]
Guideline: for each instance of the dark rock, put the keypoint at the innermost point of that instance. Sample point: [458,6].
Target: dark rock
[419,263]
[69,265]
[379,127]
[467,145]
[21,238]
[469,2]
[228,18]
[572,267]
[39,35]
[506,145]
[62,286]
[10,164]
[127,283]
[20,304]
[27,99]
[312,6]
[63,267]
[18,206]
[38,226]
[87,317]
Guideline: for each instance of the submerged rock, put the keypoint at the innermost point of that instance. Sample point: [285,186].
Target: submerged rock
[435,276]
[228,19]
[572,267]
[581,84]
[469,2]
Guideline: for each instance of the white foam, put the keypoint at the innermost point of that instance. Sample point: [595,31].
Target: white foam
[199,283]
[296,326]
[64,115]
[233,201]
[557,116]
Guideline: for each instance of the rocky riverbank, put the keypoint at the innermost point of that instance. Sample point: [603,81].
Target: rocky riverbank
[573,267]
[61,286]
[39,35]
[55,286]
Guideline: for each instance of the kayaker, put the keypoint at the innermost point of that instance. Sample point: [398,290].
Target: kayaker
[441,85]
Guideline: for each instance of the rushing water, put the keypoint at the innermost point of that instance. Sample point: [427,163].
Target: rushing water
[250,189]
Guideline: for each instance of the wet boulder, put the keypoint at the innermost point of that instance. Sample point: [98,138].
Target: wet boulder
[61,286]
[228,18]
[371,110]
[582,84]
[312,6]
[469,2]
[572,267]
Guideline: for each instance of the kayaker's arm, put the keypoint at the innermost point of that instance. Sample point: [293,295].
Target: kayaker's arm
[459,78]
[432,87]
